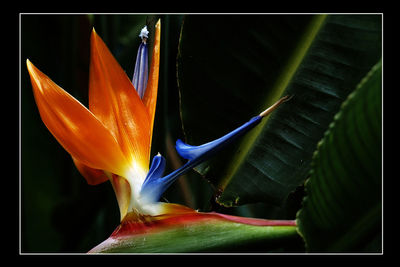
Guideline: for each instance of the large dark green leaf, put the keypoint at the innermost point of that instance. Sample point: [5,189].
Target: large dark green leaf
[343,207]
[230,68]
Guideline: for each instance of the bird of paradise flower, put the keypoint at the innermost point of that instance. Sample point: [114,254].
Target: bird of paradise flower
[111,140]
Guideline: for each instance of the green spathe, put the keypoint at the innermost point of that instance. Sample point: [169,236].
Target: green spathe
[209,232]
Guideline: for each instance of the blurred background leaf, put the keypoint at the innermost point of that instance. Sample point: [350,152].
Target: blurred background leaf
[231,68]
[343,207]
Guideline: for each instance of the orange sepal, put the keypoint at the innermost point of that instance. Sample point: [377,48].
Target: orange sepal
[92,176]
[75,127]
[114,101]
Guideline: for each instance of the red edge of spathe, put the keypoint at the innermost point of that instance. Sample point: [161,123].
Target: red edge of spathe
[130,227]
[255,221]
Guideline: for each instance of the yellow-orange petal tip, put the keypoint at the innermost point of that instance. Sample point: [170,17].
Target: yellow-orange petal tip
[28,64]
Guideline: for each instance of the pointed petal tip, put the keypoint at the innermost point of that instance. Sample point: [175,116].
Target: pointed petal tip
[29,65]
[93,34]
[32,69]
[275,105]
[34,72]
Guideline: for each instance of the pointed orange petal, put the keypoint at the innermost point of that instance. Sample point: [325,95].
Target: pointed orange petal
[114,101]
[150,96]
[75,127]
[92,176]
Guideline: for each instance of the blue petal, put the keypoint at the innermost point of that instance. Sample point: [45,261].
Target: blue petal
[192,152]
[156,169]
[155,185]
[141,75]
[186,151]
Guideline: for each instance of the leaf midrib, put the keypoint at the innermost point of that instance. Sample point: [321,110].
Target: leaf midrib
[278,89]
